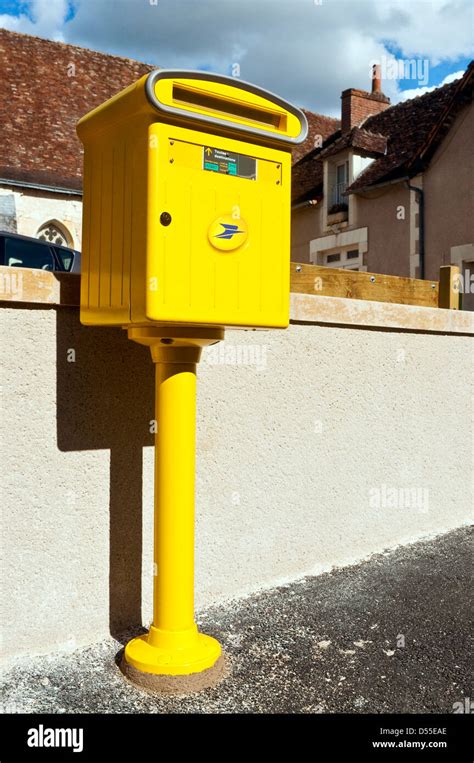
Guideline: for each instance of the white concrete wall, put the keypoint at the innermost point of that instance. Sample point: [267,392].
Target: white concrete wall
[301,446]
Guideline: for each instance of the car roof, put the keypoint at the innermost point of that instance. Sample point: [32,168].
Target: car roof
[37,240]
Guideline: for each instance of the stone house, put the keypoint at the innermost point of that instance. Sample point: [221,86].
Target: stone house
[45,88]
[391,190]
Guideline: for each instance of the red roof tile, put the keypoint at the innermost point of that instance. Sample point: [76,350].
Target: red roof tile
[367,142]
[45,88]
[319,129]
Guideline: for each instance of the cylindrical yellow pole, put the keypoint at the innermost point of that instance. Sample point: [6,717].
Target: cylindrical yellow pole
[173,646]
[173,608]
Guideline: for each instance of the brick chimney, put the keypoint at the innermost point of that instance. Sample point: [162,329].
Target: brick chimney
[357,105]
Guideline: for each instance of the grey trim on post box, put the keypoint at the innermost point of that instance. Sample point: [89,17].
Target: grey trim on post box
[176,112]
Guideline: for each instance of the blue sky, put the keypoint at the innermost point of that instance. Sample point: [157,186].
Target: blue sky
[437,73]
[306,50]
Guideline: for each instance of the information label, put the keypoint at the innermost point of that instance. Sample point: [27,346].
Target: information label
[228,163]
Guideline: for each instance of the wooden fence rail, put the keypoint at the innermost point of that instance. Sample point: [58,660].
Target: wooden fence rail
[352,284]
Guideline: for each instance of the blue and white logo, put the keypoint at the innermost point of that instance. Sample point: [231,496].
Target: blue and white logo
[229,231]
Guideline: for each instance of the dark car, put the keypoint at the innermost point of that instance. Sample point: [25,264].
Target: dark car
[25,252]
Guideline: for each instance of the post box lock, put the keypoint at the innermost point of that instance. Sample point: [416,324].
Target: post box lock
[165,218]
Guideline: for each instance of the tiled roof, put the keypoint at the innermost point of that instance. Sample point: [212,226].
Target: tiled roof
[45,88]
[319,128]
[307,174]
[364,140]
[409,126]
[406,135]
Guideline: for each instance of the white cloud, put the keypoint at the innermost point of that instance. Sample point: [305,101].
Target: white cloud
[47,19]
[405,95]
[304,51]
[438,29]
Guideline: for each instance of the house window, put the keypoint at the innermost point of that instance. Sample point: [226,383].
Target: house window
[53,234]
[348,260]
[342,180]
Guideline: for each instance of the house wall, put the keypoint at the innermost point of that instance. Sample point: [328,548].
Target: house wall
[305,225]
[449,195]
[388,216]
[391,215]
[24,211]
[316,447]
[383,225]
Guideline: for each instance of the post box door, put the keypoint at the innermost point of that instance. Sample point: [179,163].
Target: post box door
[218,221]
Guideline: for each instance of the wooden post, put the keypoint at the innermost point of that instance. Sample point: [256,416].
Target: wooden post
[449,287]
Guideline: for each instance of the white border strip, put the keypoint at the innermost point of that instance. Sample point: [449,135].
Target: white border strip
[310,308]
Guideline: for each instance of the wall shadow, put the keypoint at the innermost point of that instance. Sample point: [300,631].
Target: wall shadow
[105,400]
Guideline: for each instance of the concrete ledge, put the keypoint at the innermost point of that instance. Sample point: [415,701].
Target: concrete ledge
[309,308]
[25,285]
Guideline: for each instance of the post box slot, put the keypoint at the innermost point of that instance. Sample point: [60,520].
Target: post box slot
[229,107]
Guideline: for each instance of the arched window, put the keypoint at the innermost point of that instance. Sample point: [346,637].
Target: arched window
[54,233]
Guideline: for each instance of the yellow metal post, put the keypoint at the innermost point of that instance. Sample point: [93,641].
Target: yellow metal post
[174,646]
[186,231]
[174,488]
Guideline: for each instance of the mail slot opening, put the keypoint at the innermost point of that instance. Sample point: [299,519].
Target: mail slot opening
[231,108]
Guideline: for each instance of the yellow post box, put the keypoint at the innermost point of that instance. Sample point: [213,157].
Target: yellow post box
[187,203]
[186,231]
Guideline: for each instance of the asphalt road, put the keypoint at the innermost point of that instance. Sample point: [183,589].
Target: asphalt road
[389,635]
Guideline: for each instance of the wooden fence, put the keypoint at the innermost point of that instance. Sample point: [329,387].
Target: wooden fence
[352,284]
